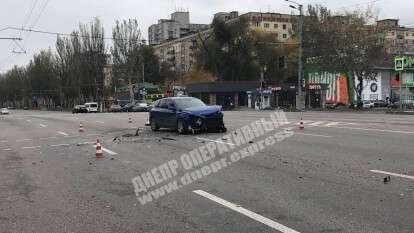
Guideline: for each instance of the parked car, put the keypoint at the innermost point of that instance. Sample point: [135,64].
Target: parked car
[127,107]
[79,109]
[115,108]
[153,104]
[4,111]
[92,107]
[380,104]
[335,105]
[11,107]
[367,104]
[140,107]
[186,114]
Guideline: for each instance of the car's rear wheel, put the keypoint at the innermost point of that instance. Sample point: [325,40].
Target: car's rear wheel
[182,127]
[154,126]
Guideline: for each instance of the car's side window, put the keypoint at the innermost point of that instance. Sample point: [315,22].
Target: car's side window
[163,104]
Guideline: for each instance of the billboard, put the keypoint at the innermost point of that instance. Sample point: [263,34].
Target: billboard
[337,85]
[371,89]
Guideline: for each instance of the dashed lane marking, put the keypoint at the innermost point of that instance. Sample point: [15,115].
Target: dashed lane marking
[332,124]
[48,138]
[317,123]
[92,134]
[4,141]
[24,140]
[100,122]
[31,147]
[7,149]
[42,125]
[270,223]
[59,145]
[63,133]
[30,121]
[393,174]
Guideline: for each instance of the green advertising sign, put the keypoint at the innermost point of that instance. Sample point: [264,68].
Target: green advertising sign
[403,62]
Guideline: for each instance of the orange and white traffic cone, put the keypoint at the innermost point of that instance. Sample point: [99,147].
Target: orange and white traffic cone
[80,127]
[301,125]
[99,153]
[129,120]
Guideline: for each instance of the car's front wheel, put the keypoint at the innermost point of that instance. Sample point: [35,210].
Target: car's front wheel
[154,126]
[182,127]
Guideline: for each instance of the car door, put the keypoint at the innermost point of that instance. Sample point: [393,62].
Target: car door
[158,113]
[170,112]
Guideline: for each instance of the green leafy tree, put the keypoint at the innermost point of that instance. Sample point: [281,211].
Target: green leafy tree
[229,52]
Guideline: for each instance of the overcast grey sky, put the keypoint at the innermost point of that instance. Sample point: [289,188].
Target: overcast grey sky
[65,15]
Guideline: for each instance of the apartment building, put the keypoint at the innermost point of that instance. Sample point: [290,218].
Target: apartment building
[399,39]
[174,28]
[179,53]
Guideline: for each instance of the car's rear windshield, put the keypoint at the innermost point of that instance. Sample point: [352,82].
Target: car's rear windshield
[93,105]
[188,103]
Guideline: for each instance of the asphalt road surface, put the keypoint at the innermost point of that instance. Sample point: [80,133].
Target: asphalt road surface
[327,178]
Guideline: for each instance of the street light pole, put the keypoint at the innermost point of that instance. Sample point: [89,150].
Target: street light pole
[299,98]
[300,66]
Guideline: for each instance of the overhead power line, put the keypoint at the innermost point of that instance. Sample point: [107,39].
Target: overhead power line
[63,34]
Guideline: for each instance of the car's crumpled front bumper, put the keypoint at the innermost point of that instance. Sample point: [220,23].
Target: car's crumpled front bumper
[206,122]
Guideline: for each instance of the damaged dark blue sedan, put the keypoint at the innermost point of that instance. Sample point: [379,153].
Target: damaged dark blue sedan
[186,114]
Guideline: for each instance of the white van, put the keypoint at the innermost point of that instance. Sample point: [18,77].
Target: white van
[91,107]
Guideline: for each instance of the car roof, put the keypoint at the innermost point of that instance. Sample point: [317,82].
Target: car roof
[181,97]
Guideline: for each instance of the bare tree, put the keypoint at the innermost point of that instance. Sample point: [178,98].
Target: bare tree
[346,42]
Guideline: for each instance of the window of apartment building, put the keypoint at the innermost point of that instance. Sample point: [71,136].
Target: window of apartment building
[412,34]
[284,36]
[276,26]
[284,26]
[392,34]
[266,25]
[257,24]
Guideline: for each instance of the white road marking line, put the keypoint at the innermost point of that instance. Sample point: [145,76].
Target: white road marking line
[48,138]
[5,141]
[92,134]
[107,151]
[7,149]
[393,174]
[315,135]
[246,212]
[63,133]
[86,143]
[59,145]
[101,122]
[206,139]
[24,140]
[31,147]
[42,125]
[332,124]
[19,118]
[378,130]
[317,123]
